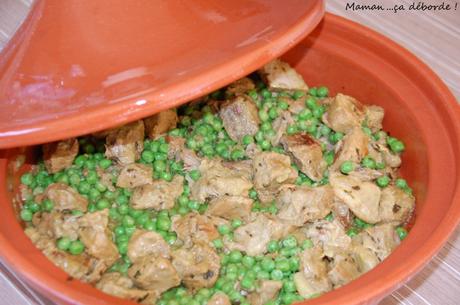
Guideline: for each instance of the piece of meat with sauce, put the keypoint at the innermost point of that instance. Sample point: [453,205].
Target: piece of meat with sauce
[240,86]
[380,239]
[280,125]
[158,195]
[374,117]
[180,153]
[266,290]
[312,276]
[342,213]
[217,180]
[344,114]
[57,225]
[396,205]
[365,258]
[363,198]
[219,298]
[243,167]
[65,197]
[365,174]
[59,155]
[97,237]
[343,269]
[124,145]
[353,147]
[194,226]
[135,175]
[306,153]
[116,284]
[230,207]
[154,273]
[240,117]
[300,204]
[198,266]
[328,234]
[147,243]
[279,75]
[254,236]
[83,267]
[271,170]
[160,123]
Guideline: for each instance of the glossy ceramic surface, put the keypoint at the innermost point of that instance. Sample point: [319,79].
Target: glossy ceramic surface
[79,66]
[351,59]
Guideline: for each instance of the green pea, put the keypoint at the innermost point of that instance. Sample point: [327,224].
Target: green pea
[102,204]
[272,246]
[150,225]
[223,229]
[27,179]
[324,130]
[236,223]
[402,233]
[368,162]
[359,223]
[33,207]
[263,275]
[383,181]
[128,221]
[63,243]
[26,215]
[329,157]
[80,160]
[401,183]
[322,91]
[298,94]
[218,243]
[273,113]
[248,261]
[283,265]
[263,115]
[313,91]
[47,205]
[76,247]
[289,242]
[289,286]
[193,205]
[253,94]
[265,93]
[294,264]
[276,275]
[84,187]
[247,139]
[352,232]
[291,129]
[148,156]
[395,145]
[237,154]
[247,283]
[195,174]
[265,145]
[380,165]
[163,224]
[311,103]
[283,105]
[267,264]
[347,167]
[121,199]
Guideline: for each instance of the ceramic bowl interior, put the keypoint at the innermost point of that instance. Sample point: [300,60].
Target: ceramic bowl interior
[347,58]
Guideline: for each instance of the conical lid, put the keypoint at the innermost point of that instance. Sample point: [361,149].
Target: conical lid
[79,66]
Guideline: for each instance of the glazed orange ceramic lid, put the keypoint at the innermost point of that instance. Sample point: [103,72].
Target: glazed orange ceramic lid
[79,66]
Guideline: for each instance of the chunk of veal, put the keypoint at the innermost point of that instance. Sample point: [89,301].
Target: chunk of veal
[240,117]
[59,155]
[157,195]
[344,114]
[65,197]
[160,123]
[125,144]
[280,75]
[134,175]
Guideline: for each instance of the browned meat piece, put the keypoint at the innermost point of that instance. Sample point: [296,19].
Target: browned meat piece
[219,298]
[280,76]
[134,175]
[65,197]
[344,114]
[154,273]
[312,277]
[365,259]
[157,195]
[125,144]
[380,239]
[97,237]
[215,181]
[179,152]
[240,117]
[374,117]
[353,147]
[381,153]
[280,125]
[343,270]
[147,243]
[230,207]
[328,234]
[310,287]
[365,174]
[342,213]
[361,197]
[198,266]
[194,226]
[242,167]
[299,204]
[83,267]
[254,236]
[396,205]
[59,155]
[56,225]
[307,154]
[240,86]
[271,170]
[266,290]
[115,284]
[160,123]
